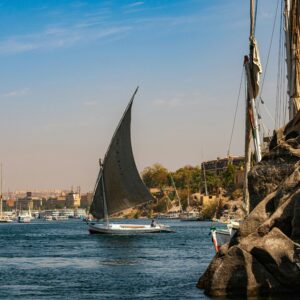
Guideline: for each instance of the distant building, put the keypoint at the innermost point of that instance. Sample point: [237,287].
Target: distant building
[57,202]
[196,196]
[220,165]
[206,200]
[73,199]
[29,202]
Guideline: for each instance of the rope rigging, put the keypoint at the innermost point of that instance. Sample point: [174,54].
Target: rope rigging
[268,56]
[235,112]
[261,101]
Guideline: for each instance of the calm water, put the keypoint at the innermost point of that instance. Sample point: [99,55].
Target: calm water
[60,260]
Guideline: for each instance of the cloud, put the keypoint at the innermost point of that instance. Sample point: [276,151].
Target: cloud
[135,4]
[58,37]
[86,24]
[95,25]
[16,93]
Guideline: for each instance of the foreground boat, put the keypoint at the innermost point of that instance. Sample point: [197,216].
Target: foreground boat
[119,185]
[222,236]
[126,229]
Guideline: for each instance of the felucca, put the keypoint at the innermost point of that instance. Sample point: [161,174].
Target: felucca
[119,185]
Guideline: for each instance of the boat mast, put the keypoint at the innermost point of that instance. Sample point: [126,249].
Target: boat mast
[292,44]
[188,198]
[103,193]
[205,183]
[174,186]
[166,194]
[104,203]
[252,69]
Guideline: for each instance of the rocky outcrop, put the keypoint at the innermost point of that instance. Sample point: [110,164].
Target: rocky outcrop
[264,255]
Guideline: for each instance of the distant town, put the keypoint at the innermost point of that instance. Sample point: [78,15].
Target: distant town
[46,199]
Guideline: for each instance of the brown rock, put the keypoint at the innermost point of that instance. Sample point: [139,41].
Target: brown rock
[264,255]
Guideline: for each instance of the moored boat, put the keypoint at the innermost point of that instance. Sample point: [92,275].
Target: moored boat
[24,218]
[223,236]
[190,216]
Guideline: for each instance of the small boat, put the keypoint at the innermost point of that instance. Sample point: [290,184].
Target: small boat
[223,236]
[24,218]
[119,185]
[5,220]
[169,216]
[190,216]
[48,218]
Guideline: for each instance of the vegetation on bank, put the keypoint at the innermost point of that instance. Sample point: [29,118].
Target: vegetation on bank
[188,180]
[189,177]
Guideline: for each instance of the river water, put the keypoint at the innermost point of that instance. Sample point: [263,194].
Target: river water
[60,260]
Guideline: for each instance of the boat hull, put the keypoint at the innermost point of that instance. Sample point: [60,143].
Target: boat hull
[24,219]
[190,216]
[126,229]
[190,219]
[5,221]
[223,236]
[220,237]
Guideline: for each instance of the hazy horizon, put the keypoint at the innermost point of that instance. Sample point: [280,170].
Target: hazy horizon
[69,68]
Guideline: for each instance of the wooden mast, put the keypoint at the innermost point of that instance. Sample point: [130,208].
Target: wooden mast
[292,44]
[252,71]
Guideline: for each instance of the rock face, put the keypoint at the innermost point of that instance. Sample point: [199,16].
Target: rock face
[264,255]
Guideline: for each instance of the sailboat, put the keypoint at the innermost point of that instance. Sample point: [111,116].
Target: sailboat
[291,24]
[25,216]
[119,185]
[189,214]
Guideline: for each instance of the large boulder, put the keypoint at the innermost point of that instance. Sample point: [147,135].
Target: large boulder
[264,255]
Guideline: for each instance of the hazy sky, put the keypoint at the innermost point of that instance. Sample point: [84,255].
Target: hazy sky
[68,69]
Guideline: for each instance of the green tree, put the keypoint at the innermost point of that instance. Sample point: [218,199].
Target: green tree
[155,176]
[187,177]
[228,177]
[213,182]
[162,205]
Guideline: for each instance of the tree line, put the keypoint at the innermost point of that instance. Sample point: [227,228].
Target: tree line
[189,177]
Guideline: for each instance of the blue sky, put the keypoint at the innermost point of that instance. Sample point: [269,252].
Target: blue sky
[68,69]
